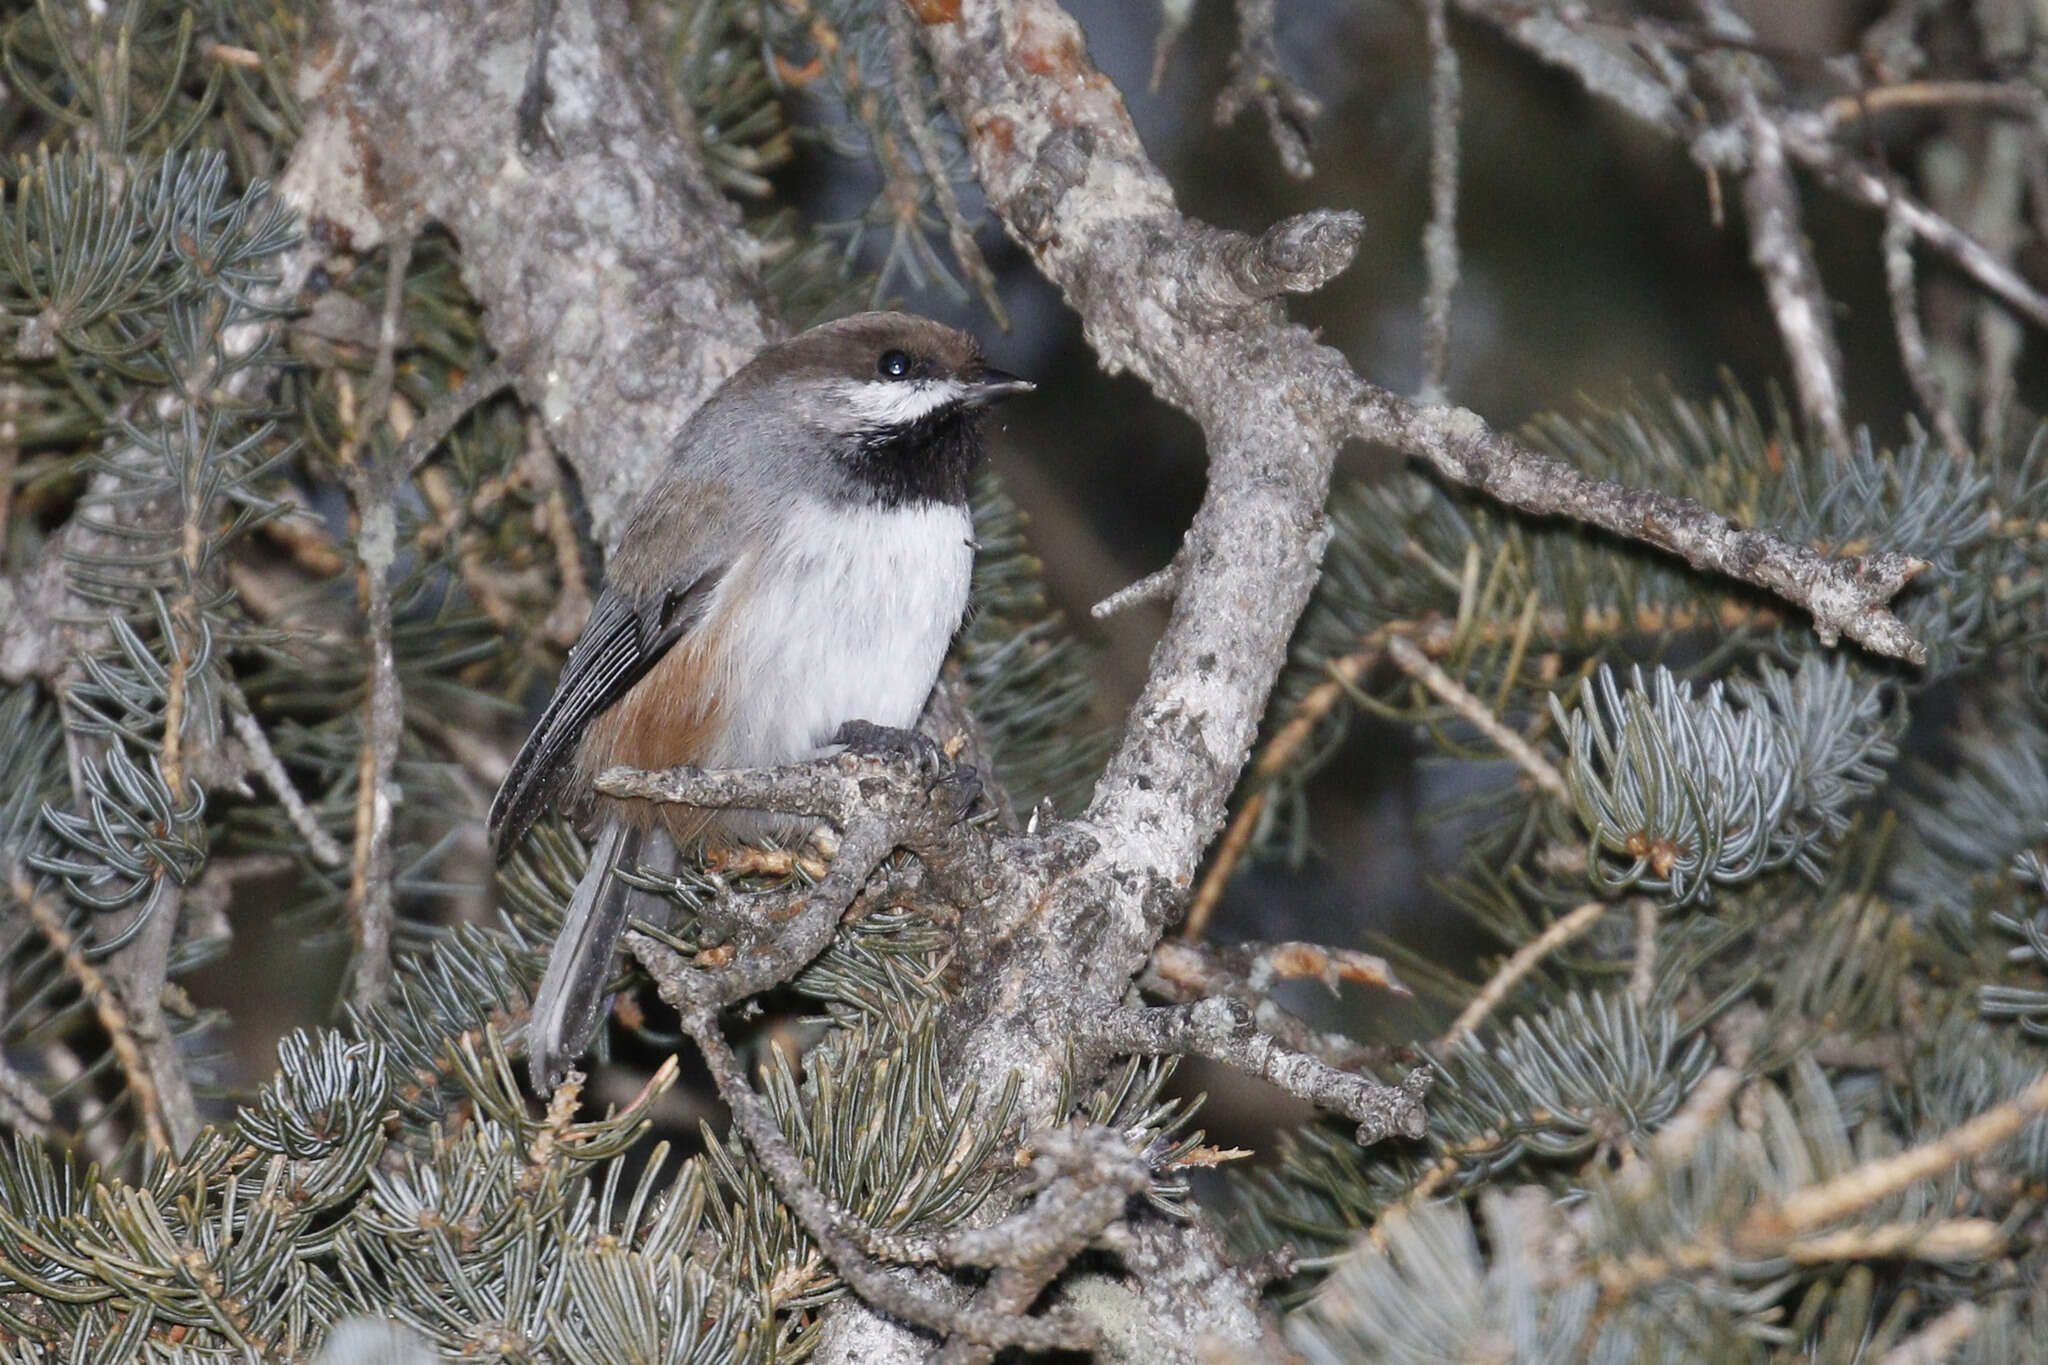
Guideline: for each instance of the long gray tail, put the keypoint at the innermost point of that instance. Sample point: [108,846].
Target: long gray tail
[572,994]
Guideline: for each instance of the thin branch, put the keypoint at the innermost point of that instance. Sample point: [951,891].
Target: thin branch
[1845,595]
[271,769]
[1642,976]
[1448,690]
[1519,965]
[1779,250]
[371,895]
[553,522]
[23,1107]
[1184,972]
[1939,1339]
[795,943]
[959,232]
[1256,78]
[1157,586]
[831,1226]
[390,330]
[1612,70]
[1836,169]
[1440,237]
[1997,192]
[1085,1178]
[1952,1239]
[2024,101]
[1912,339]
[448,410]
[1222,1030]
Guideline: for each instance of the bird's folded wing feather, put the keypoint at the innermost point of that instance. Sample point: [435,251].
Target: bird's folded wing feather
[622,640]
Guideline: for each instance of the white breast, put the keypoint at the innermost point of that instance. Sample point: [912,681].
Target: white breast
[846,619]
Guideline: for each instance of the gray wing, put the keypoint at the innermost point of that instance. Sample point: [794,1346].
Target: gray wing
[621,641]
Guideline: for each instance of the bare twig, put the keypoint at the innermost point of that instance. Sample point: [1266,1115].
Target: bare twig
[877,807]
[1938,1340]
[2011,97]
[271,769]
[1519,965]
[1814,150]
[1781,254]
[371,895]
[1952,1239]
[1912,339]
[1184,972]
[1448,690]
[1995,212]
[1958,1239]
[1256,78]
[23,1108]
[794,945]
[552,521]
[448,410]
[1611,69]
[1157,586]
[1642,975]
[1846,596]
[836,1231]
[1085,1177]
[100,1140]
[1222,1030]
[1440,237]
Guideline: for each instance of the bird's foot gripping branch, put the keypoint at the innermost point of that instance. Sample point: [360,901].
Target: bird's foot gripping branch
[1086,1179]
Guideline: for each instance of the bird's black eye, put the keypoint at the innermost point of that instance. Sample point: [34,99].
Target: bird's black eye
[893,365]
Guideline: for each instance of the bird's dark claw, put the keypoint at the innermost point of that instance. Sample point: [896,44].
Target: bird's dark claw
[917,749]
[870,740]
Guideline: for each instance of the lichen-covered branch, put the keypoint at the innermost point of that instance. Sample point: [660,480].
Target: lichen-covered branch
[608,265]
[829,1225]
[1083,1180]
[1221,1029]
[1779,250]
[1184,972]
[1847,596]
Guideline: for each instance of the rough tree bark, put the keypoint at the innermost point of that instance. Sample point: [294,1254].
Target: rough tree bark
[610,268]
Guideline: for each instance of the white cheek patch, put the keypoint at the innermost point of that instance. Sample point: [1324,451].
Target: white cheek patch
[898,402]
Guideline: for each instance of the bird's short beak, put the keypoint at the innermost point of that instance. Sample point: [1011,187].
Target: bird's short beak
[993,386]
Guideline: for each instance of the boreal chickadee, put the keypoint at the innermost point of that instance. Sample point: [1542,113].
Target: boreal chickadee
[799,562]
